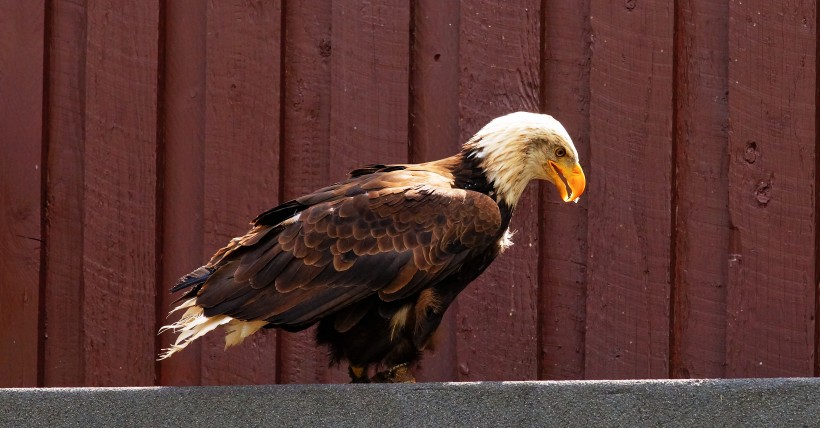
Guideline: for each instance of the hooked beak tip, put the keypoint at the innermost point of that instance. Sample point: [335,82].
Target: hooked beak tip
[570,182]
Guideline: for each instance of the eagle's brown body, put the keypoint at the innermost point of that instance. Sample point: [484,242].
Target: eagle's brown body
[375,260]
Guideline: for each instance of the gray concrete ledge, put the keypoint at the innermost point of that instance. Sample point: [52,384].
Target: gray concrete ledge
[710,403]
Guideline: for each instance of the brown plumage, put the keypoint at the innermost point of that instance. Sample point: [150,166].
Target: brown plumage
[377,259]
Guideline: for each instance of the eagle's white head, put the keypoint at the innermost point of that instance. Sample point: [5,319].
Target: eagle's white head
[522,146]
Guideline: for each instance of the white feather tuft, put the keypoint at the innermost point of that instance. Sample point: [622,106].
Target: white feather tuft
[506,240]
[237,331]
[398,321]
[194,324]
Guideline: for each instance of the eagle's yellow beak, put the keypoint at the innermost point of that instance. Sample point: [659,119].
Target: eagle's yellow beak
[570,182]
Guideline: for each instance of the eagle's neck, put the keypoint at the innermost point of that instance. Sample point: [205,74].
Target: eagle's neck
[499,169]
[469,173]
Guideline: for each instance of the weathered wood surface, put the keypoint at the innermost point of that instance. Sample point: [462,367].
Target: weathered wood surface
[64,353]
[630,196]
[563,268]
[698,342]
[21,239]
[772,281]
[139,137]
[120,181]
[183,190]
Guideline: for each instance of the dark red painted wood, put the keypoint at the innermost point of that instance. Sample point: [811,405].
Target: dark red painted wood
[435,134]
[499,59]
[630,194]
[21,119]
[120,180]
[64,360]
[168,126]
[242,127]
[772,167]
[562,302]
[306,156]
[369,83]
[702,224]
[183,196]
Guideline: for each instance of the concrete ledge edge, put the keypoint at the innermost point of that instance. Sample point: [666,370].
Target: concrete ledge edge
[735,402]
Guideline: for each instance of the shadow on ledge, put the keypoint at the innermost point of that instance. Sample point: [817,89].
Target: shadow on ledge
[740,402]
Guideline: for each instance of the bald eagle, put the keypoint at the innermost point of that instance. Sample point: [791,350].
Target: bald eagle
[376,259]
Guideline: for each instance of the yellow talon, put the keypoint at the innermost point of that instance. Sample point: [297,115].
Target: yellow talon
[357,371]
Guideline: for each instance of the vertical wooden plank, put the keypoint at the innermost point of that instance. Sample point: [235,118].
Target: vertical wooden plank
[563,233]
[64,345]
[772,167]
[120,234]
[241,157]
[306,157]
[630,190]
[183,170]
[435,134]
[499,59]
[699,298]
[369,83]
[21,119]
[434,123]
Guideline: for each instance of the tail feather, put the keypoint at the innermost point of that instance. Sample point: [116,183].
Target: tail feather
[196,277]
[237,331]
[194,324]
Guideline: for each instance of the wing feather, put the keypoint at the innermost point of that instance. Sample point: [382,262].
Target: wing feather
[379,233]
[267,274]
[254,261]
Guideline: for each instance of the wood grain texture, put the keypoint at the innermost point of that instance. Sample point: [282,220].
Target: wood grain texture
[21,119]
[499,60]
[120,211]
[164,127]
[64,359]
[772,167]
[630,194]
[435,134]
[563,227]
[698,348]
[306,157]
[369,83]
[182,171]
[241,157]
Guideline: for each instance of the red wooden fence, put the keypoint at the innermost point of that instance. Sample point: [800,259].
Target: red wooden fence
[139,136]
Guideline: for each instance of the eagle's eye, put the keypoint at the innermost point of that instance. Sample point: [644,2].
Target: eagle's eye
[560,152]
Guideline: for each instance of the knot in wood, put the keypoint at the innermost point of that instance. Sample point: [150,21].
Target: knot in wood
[763,193]
[324,48]
[630,4]
[751,154]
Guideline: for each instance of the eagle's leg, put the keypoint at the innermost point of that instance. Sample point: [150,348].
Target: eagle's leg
[358,374]
[396,374]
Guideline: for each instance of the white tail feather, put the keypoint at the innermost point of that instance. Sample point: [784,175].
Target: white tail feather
[399,320]
[238,330]
[193,324]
